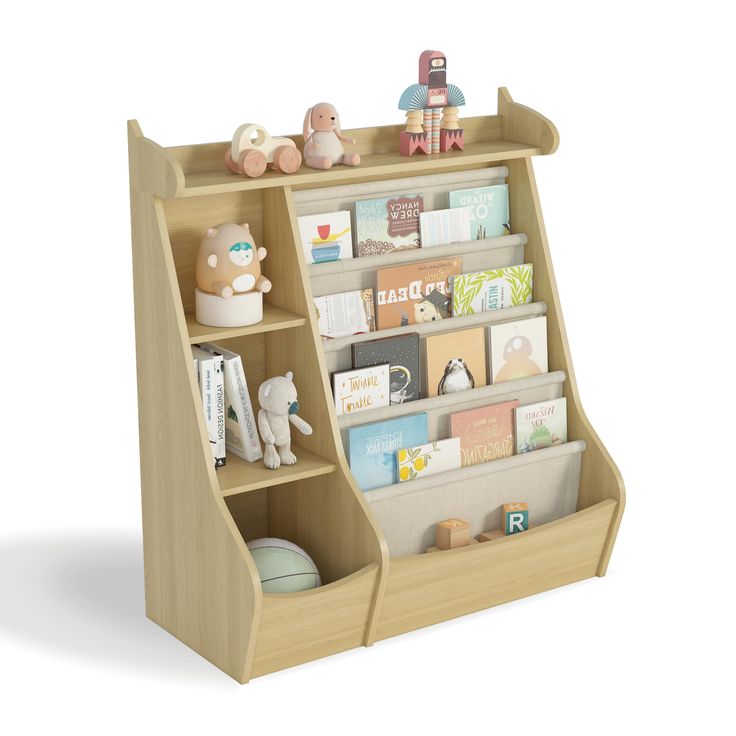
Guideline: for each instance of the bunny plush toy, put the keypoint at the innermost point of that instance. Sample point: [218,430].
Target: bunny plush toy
[323,139]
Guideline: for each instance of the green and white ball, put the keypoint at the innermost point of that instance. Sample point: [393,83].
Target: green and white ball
[284,567]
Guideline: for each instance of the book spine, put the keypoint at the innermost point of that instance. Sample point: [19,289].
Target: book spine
[240,400]
[218,398]
[206,377]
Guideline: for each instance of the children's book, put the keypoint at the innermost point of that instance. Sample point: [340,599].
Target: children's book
[442,227]
[387,224]
[496,288]
[517,349]
[349,313]
[241,428]
[428,459]
[212,390]
[489,209]
[455,361]
[403,356]
[541,425]
[485,433]
[326,237]
[360,389]
[372,448]
[415,292]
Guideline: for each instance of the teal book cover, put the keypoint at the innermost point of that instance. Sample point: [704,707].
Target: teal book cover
[372,448]
[489,209]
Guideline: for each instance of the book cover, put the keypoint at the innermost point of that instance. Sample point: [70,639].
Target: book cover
[241,428]
[360,389]
[428,459]
[517,349]
[485,433]
[402,353]
[489,209]
[372,448]
[415,292]
[496,288]
[212,390]
[326,237]
[455,361]
[541,425]
[442,227]
[387,224]
[349,313]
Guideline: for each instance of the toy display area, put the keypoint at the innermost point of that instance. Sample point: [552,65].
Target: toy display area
[380,561]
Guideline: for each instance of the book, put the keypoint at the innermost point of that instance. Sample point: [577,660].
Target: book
[241,426]
[326,237]
[496,288]
[360,389]
[212,390]
[372,448]
[517,349]
[455,361]
[349,313]
[403,356]
[485,433]
[442,227]
[541,425]
[489,209]
[428,459]
[415,292]
[387,224]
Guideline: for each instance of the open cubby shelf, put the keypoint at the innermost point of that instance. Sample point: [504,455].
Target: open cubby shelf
[201,581]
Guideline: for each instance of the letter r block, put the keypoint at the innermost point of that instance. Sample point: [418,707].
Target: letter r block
[515,517]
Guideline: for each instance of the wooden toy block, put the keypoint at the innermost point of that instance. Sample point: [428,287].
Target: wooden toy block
[452,533]
[411,143]
[472,541]
[489,536]
[450,139]
[515,517]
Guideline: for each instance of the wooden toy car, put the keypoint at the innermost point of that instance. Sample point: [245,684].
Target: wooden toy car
[253,149]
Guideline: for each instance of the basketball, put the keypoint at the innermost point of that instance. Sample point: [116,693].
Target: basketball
[283,566]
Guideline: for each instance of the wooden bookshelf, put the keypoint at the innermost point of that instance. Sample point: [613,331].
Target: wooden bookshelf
[201,582]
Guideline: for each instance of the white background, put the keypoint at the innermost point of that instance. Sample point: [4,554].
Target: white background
[638,203]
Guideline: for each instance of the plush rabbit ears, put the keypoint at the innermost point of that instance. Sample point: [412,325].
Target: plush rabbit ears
[307,121]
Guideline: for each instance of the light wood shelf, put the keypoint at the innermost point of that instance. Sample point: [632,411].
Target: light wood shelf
[273,319]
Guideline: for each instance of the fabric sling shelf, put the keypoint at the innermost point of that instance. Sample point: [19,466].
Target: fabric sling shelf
[201,582]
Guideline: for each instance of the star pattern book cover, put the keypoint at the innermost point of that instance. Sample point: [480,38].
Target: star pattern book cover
[361,389]
[541,425]
[455,361]
[489,209]
[497,288]
[485,433]
[372,448]
[402,353]
[517,349]
[327,237]
[428,459]
[415,292]
[387,224]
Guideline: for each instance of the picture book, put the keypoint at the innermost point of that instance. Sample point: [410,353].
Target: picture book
[442,227]
[372,448]
[349,313]
[489,209]
[212,389]
[496,288]
[541,425]
[428,459]
[241,428]
[415,292]
[455,361]
[485,433]
[403,356]
[517,349]
[387,224]
[360,389]
[326,237]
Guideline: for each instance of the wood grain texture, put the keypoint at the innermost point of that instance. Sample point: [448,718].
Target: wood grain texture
[521,123]
[273,319]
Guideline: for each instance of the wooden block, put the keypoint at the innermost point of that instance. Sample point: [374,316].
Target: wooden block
[489,536]
[515,517]
[473,541]
[411,143]
[452,533]
[450,139]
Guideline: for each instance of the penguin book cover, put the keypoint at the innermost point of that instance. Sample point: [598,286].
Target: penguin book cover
[541,425]
[485,433]
[456,361]
[517,349]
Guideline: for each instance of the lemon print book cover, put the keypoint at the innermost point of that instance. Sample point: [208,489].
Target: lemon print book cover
[372,448]
[517,349]
[387,224]
[326,237]
[541,425]
[428,459]
[485,433]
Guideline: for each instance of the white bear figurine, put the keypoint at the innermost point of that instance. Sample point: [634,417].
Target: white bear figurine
[279,406]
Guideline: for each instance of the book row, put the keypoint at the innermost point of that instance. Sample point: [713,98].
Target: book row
[402,368]
[399,222]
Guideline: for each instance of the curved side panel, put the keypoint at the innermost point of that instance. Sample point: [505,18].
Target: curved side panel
[153,169]
[521,124]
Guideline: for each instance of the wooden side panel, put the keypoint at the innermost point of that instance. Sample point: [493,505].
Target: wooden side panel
[426,589]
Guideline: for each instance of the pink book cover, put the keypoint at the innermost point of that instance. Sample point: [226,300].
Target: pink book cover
[486,433]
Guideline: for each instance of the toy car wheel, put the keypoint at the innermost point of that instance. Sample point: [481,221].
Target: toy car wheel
[230,163]
[252,163]
[287,159]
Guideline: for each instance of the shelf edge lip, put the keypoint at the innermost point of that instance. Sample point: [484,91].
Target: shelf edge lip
[279,480]
[371,567]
